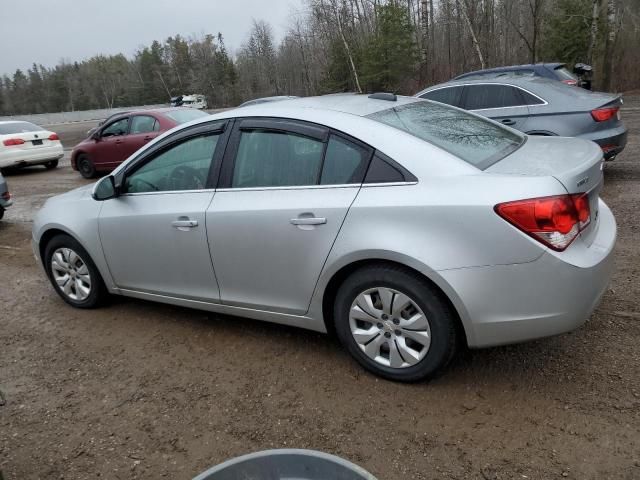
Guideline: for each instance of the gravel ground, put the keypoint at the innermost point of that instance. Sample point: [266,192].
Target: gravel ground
[139,390]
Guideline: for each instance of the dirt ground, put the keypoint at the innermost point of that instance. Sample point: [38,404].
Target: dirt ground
[139,390]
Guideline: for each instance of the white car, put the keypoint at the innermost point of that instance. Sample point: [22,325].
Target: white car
[23,144]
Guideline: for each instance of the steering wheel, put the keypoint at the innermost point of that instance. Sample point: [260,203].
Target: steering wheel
[185,178]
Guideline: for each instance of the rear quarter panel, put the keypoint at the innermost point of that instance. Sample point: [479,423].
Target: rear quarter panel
[436,225]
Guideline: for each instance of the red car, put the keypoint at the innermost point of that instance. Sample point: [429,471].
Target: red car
[121,135]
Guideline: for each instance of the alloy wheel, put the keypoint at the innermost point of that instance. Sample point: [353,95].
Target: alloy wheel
[389,327]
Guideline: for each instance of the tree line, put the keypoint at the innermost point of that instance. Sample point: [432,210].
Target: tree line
[347,45]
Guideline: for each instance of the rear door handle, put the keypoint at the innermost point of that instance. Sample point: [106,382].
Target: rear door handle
[309,221]
[508,121]
[184,224]
[146,139]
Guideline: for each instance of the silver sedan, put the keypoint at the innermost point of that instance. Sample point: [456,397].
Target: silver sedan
[406,226]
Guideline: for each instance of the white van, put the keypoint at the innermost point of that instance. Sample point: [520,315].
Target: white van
[195,101]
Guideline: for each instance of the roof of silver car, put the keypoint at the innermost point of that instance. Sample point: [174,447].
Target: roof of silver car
[353,103]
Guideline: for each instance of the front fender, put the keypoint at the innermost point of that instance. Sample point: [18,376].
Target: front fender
[77,216]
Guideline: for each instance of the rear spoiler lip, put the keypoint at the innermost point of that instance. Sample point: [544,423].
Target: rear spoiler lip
[616,102]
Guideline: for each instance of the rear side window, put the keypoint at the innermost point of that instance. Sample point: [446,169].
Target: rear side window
[344,162]
[144,124]
[474,139]
[276,159]
[449,95]
[530,99]
[382,171]
[479,97]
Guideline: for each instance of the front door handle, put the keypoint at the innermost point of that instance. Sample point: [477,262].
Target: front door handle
[184,224]
[308,221]
[508,121]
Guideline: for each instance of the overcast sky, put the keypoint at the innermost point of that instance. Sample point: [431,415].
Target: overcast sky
[46,31]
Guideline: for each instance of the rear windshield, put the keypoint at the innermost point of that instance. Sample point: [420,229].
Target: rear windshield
[564,74]
[18,127]
[475,140]
[183,116]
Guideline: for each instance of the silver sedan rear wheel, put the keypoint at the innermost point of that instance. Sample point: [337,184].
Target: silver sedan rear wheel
[71,274]
[389,327]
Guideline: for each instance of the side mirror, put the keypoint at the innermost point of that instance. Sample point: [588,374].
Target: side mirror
[105,189]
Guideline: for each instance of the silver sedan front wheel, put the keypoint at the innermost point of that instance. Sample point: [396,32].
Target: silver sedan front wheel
[389,327]
[71,274]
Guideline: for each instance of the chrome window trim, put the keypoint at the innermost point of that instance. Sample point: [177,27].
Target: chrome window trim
[291,187]
[294,187]
[493,83]
[388,184]
[172,192]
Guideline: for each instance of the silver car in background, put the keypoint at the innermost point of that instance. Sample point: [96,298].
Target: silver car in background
[540,106]
[406,226]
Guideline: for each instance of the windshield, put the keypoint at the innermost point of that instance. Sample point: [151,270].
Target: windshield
[18,127]
[183,116]
[475,140]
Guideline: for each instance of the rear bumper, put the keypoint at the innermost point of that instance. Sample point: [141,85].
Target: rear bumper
[611,141]
[5,203]
[551,295]
[20,158]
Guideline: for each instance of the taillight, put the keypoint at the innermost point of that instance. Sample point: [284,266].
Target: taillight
[573,83]
[54,136]
[554,221]
[10,142]
[604,114]
[6,196]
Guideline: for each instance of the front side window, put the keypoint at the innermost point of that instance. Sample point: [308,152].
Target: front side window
[479,97]
[144,124]
[119,127]
[449,95]
[474,139]
[276,159]
[183,166]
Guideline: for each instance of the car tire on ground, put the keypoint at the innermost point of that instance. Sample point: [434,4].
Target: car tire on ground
[395,323]
[1,212]
[73,274]
[51,164]
[85,166]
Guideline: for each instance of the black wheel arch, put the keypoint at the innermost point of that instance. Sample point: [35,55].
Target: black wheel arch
[338,278]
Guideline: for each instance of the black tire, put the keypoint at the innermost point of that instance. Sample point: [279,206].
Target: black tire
[85,166]
[51,164]
[1,212]
[98,292]
[440,316]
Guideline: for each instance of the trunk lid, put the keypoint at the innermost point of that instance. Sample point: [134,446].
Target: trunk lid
[574,162]
[31,140]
